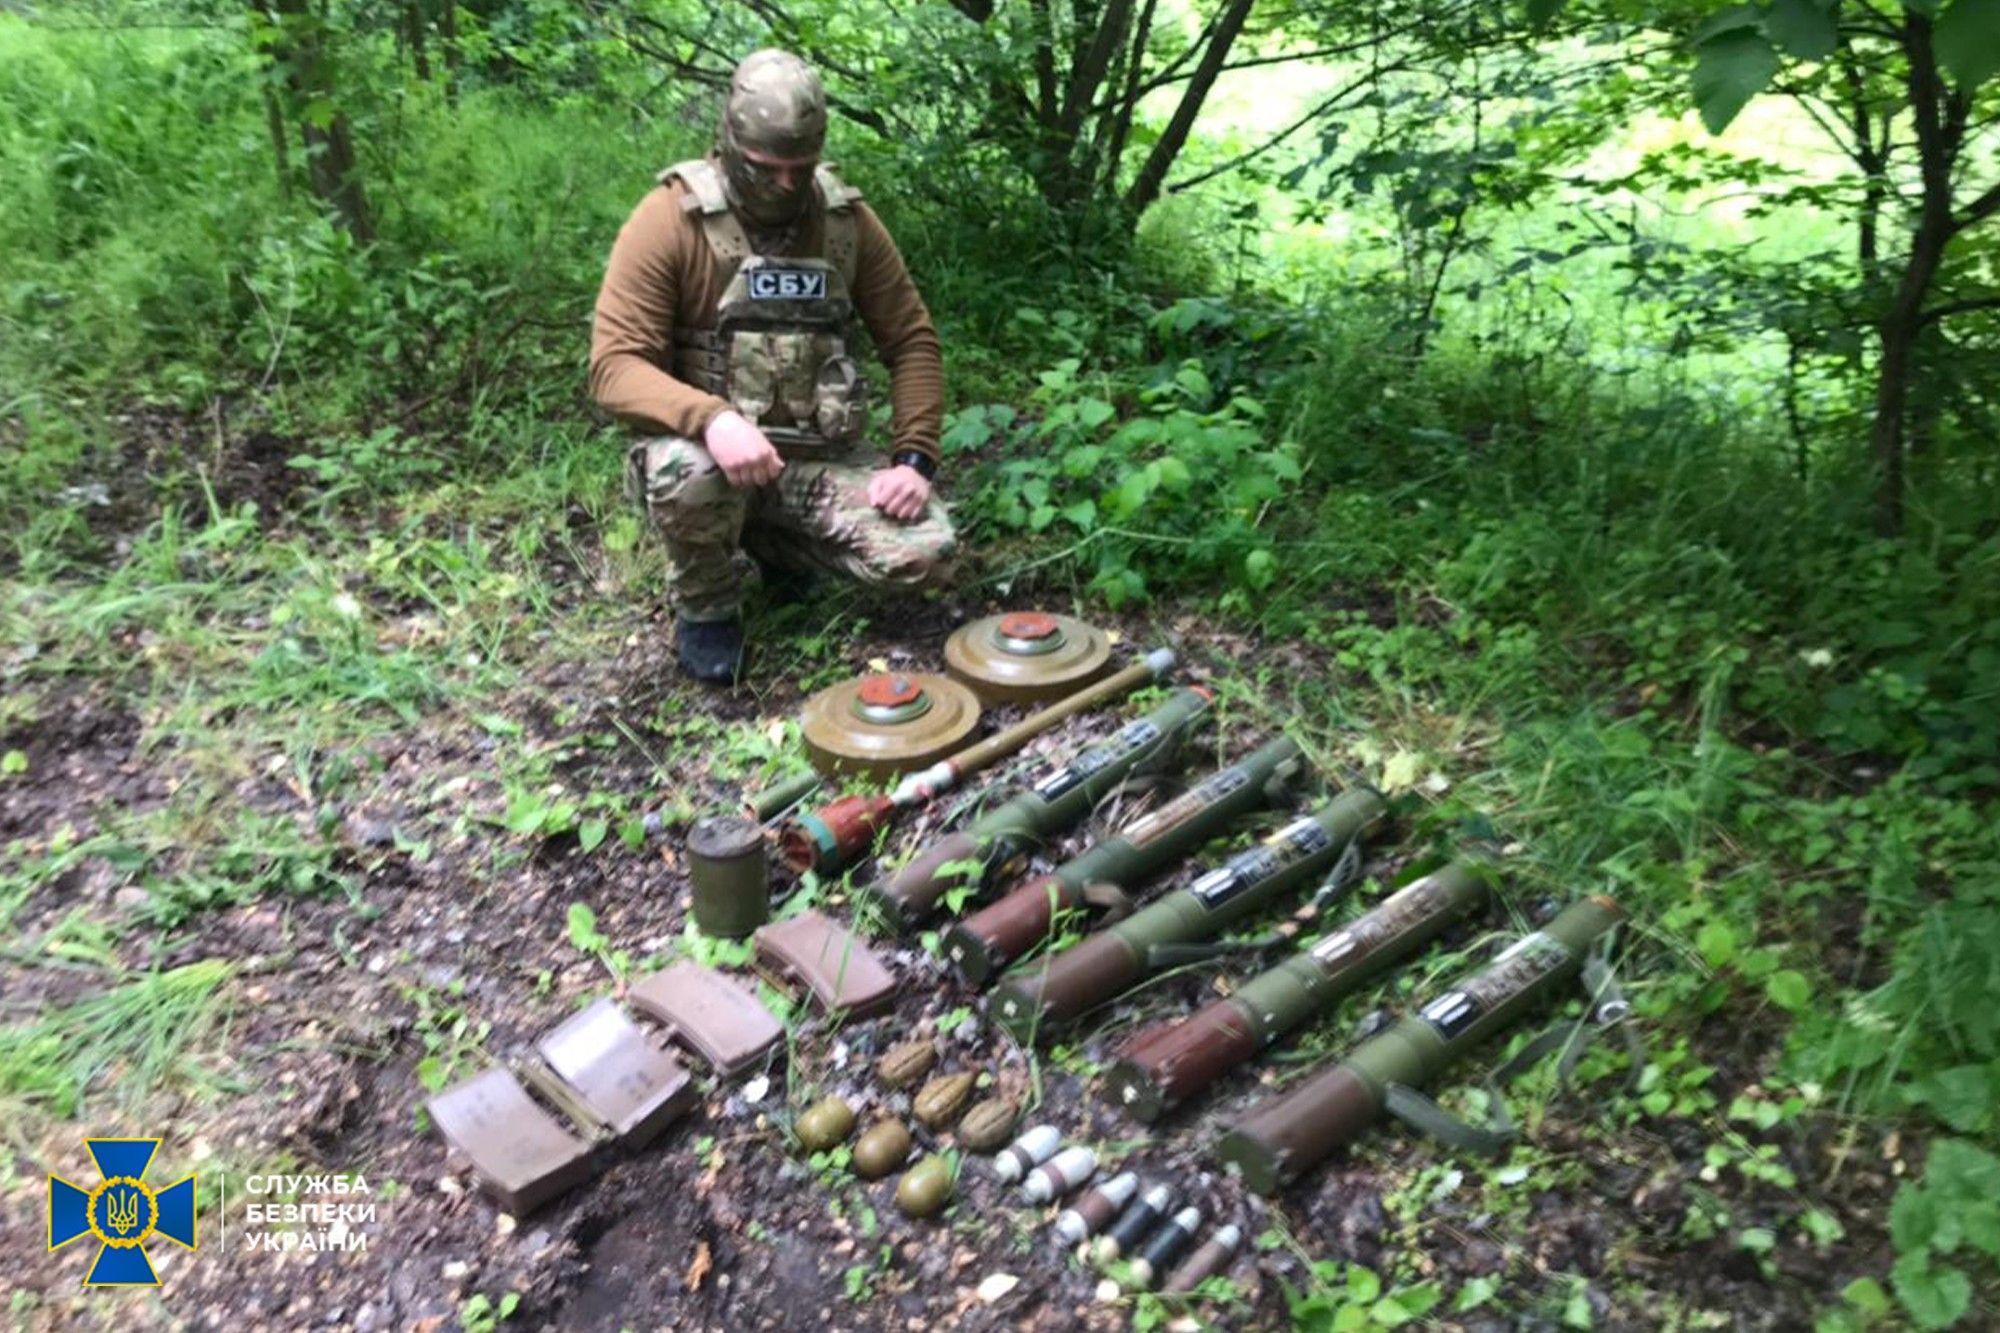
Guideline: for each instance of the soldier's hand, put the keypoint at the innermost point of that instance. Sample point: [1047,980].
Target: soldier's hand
[743,452]
[901,492]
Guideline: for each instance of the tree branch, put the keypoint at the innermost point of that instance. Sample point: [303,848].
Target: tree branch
[1950,308]
[1088,73]
[1045,64]
[1128,102]
[1982,208]
[1326,105]
[1173,138]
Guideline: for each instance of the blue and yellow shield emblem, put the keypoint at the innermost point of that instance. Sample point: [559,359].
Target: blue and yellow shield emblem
[122,1213]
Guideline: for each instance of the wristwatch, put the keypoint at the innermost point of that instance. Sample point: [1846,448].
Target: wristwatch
[925,465]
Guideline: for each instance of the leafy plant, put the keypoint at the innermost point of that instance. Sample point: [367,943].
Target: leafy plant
[1943,1226]
[586,937]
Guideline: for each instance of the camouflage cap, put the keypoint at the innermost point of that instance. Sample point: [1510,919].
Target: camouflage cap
[776,105]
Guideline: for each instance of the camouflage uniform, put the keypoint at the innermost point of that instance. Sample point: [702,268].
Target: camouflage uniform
[772,343]
[815,517]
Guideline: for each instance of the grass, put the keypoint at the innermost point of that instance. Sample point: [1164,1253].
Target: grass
[135,1036]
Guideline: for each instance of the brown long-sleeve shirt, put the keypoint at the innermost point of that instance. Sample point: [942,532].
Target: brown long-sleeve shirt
[662,273]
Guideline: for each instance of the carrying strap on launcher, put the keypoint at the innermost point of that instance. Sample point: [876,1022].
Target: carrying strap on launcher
[1607,1009]
[731,243]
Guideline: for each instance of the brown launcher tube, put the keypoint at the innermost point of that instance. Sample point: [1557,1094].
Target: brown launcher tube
[1102,965]
[1285,1135]
[989,939]
[1164,1066]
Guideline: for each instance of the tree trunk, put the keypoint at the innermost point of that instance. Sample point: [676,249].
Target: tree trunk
[336,176]
[274,121]
[1900,330]
[1146,188]
[1128,101]
[416,33]
[300,51]
[448,30]
[1903,322]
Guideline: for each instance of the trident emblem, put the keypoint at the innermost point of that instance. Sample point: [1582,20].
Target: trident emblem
[122,1213]
[123,1209]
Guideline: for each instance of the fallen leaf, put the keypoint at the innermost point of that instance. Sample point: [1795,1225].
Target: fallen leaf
[1400,772]
[699,1268]
[993,1288]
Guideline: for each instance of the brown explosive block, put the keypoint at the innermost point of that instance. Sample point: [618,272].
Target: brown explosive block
[632,1085]
[704,1009]
[524,1155]
[830,961]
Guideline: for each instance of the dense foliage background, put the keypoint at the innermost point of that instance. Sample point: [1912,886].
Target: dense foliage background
[1608,393]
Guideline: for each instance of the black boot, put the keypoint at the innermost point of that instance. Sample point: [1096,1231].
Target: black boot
[712,650]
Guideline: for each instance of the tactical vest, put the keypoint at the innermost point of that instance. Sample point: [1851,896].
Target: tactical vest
[778,350]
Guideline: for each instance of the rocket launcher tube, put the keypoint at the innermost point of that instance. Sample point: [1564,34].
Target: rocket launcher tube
[1165,1066]
[996,935]
[1286,1135]
[974,855]
[835,836]
[1066,985]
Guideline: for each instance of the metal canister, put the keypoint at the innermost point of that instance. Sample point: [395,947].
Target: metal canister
[732,884]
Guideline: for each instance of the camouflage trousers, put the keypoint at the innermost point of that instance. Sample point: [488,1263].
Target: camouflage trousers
[815,517]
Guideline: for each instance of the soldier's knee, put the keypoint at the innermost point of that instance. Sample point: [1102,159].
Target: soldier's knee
[682,482]
[915,558]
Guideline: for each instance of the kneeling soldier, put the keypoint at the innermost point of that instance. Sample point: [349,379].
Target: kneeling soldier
[724,333]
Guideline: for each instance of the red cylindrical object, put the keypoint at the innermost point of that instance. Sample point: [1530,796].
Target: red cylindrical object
[987,940]
[1163,1066]
[834,835]
[1074,980]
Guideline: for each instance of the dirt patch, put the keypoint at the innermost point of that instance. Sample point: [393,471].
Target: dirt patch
[257,468]
[82,756]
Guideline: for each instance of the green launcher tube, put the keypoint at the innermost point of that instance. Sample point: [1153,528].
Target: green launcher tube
[1287,1135]
[1172,1062]
[1052,991]
[978,853]
[984,943]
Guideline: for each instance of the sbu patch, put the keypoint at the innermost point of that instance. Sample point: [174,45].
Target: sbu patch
[773,283]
